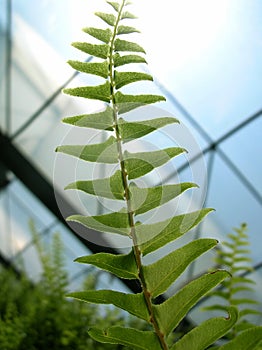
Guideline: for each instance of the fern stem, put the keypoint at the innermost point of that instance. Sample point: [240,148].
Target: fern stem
[137,253]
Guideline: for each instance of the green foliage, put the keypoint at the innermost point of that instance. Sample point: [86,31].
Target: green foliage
[250,339]
[154,278]
[38,316]
[234,256]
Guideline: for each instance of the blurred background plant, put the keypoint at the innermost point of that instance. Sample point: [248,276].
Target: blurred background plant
[234,256]
[38,316]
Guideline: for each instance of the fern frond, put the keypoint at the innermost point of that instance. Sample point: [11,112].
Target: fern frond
[233,256]
[157,277]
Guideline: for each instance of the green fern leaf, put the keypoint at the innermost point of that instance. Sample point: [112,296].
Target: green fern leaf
[242,325]
[132,303]
[125,78]
[126,30]
[111,187]
[207,332]
[186,298]
[102,120]
[99,92]
[115,5]
[135,130]
[139,164]
[145,199]
[242,258]
[100,34]
[123,45]
[241,279]
[106,17]
[171,266]
[127,59]
[247,340]
[122,265]
[137,340]
[154,236]
[100,51]
[243,251]
[240,289]
[126,103]
[240,268]
[215,307]
[221,294]
[245,312]
[128,15]
[105,152]
[100,69]
[240,301]
[240,238]
[116,222]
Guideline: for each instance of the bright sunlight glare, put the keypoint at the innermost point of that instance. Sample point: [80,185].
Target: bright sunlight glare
[179,30]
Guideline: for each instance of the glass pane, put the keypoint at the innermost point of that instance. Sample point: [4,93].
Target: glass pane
[234,205]
[18,208]
[210,57]
[244,148]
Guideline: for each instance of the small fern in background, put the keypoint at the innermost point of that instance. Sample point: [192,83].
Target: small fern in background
[36,315]
[112,54]
[234,255]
